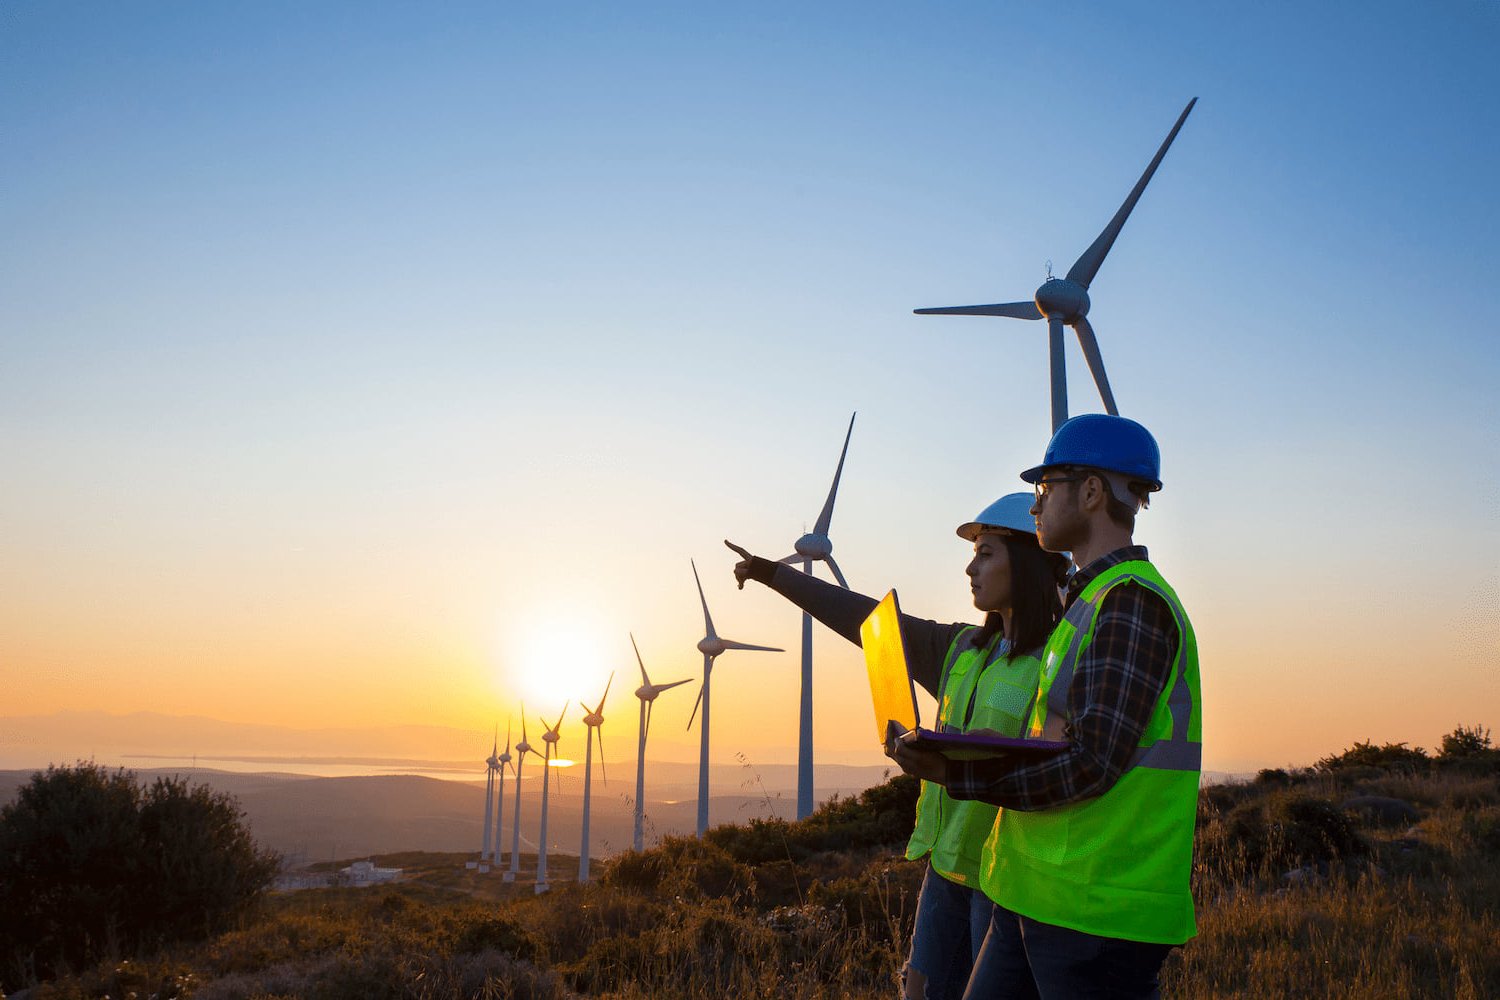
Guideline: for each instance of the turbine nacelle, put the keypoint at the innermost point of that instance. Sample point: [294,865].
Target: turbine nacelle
[504,758]
[493,761]
[593,719]
[1059,298]
[711,645]
[523,748]
[813,546]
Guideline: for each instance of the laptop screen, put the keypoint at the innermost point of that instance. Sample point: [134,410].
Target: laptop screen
[885,658]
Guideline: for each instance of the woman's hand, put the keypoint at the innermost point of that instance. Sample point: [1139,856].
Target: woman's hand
[929,765]
[741,568]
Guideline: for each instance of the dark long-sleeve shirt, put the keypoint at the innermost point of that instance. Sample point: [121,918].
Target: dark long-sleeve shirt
[843,610]
[1116,684]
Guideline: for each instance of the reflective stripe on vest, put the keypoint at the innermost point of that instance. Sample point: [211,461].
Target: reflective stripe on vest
[1117,865]
[981,688]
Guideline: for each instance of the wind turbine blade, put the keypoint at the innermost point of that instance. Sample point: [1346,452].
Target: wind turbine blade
[837,574]
[667,687]
[1084,269]
[729,644]
[523,723]
[792,559]
[606,693]
[507,735]
[645,678]
[1091,354]
[1012,310]
[1059,372]
[695,708]
[825,517]
[648,719]
[708,623]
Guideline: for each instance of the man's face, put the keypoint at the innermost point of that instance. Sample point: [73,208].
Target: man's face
[1060,521]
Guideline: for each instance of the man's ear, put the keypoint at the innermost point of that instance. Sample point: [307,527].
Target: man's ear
[1093,492]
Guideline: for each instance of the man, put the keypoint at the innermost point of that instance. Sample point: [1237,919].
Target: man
[1090,859]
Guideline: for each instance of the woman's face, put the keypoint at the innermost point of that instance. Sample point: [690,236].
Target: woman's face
[989,573]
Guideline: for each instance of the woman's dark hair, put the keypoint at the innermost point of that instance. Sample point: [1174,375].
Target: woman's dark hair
[1035,578]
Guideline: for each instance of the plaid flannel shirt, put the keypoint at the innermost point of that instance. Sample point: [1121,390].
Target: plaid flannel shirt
[1116,684]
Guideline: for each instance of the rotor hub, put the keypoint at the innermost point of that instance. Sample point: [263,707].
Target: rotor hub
[1059,298]
[812,546]
[710,647]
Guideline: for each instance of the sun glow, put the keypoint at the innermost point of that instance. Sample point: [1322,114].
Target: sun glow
[555,661]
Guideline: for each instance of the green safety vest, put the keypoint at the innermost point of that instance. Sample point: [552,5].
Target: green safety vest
[980,689]
[1117,865]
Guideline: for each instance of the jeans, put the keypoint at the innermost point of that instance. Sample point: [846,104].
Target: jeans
[951,924]
[1028,959]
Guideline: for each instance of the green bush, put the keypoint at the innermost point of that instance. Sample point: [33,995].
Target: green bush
[92,865]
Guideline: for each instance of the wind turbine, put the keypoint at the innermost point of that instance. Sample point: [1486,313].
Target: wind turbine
[647,693]
[593,721]
[711,646]
[500,763]
[550,737]
[812,547]
[486,853]
[1065,301]
[522,749]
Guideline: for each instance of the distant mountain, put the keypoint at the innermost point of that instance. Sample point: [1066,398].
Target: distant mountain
[313,819]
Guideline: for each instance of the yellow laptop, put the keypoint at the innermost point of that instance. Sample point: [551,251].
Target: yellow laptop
[894,696]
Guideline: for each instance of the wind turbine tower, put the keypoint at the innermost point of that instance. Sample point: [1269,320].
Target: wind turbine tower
[1065,301]
[711,646]
[812,547]
[550,737]
[522,749]
[594,721]
[501,762]
[647,693]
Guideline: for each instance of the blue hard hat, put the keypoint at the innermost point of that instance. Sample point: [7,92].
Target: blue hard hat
[1102,441]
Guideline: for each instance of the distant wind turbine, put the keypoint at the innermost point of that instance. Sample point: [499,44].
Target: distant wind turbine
[1065,301]
[522,749]
[647,693]
[491,765]
[815,546]
[711,646]
[594,722]
[501,762]
[550,737]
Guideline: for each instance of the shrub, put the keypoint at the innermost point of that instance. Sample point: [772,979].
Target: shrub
[1277,832]
[1389,757]
[1467,741]
[92,865]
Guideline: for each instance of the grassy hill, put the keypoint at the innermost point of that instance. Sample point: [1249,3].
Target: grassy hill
[1374,873]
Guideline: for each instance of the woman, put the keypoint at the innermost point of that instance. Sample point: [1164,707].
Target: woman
[984,678]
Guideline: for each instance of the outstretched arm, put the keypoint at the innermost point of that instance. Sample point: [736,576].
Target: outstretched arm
[843,610]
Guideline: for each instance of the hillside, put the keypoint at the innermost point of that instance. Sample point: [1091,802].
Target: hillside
[1374,873]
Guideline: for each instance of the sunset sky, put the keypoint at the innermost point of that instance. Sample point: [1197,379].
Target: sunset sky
[380,364]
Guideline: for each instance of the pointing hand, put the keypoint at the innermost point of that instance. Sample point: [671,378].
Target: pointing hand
[741,568]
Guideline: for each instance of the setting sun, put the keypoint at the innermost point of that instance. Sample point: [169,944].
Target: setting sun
[556,661]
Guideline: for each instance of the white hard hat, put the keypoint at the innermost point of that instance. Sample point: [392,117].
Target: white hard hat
[1011,512]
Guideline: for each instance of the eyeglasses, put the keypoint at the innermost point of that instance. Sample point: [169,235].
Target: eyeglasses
[1044,486]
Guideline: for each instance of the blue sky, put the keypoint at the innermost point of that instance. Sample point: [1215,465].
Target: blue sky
[407,351]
